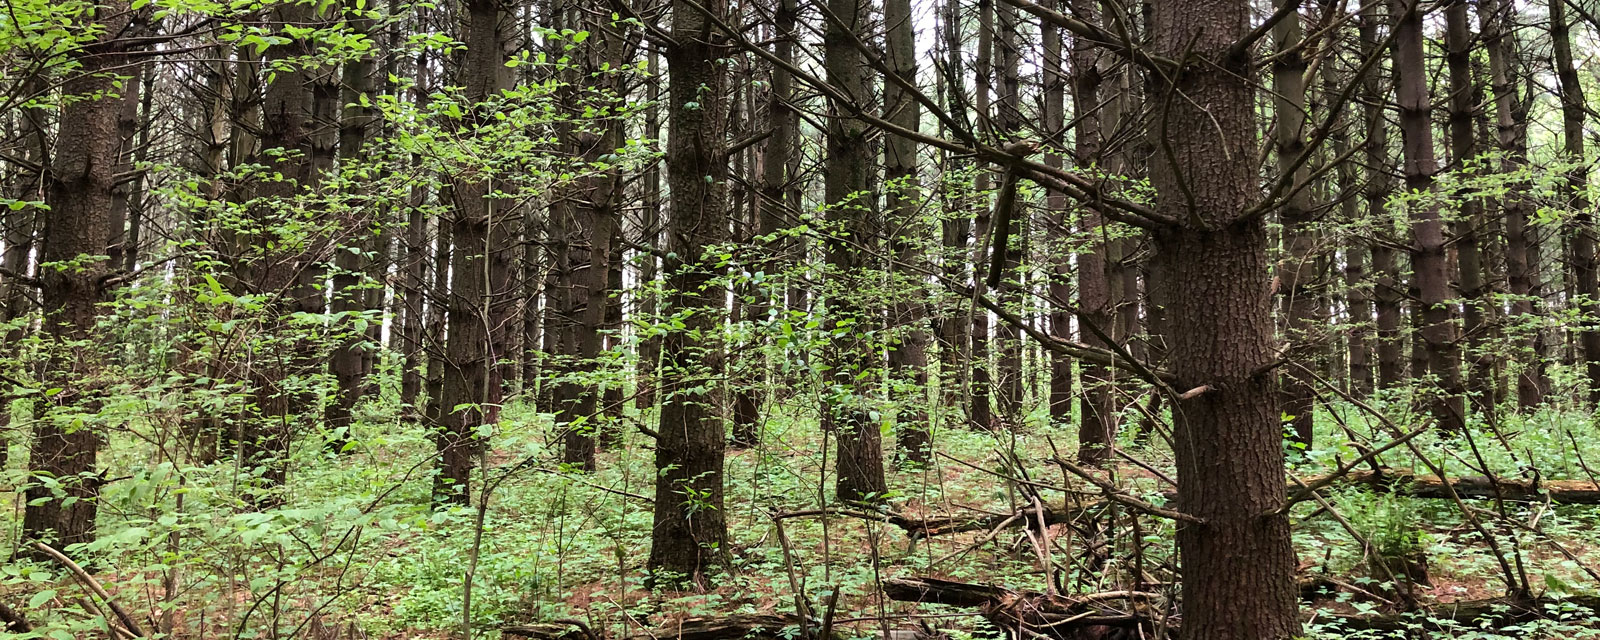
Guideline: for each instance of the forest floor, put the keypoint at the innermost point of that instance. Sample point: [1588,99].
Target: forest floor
[357,552]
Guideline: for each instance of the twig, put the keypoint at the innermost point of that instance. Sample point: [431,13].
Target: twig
[94,586]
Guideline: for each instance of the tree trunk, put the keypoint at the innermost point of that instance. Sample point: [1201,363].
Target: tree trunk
[1297,273]
[78,189]
[908,359]
[1060,273]
[850,359]
[479,274]
[1096,408]
[347,362]
[1238,568]
[1430,262]
[1464,99]
[1585,276]
[1511,120]
[689,532]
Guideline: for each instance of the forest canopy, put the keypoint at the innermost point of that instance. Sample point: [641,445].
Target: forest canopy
[799,319]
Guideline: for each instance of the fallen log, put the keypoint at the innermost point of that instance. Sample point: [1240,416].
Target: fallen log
[733,627]
[1496,612]
[1431,486]
[1039,615]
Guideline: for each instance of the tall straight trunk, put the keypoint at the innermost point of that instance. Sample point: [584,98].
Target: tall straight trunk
[347,362]
[286,125]
[850,360]
[980,411]
[650,234]
[414,289]
[1430,261]
[1097,417]
[1511,127]
[1585,276]
[1386,294]
[479,272]
[1464,99]
[595,220]
[955,340]
[1357,289]
[1060,280]
[1238,567]
[908,360]
[690,532]
[78,189]
[1297,273]
[1009,121]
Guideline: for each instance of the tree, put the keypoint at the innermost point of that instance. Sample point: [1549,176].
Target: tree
[62,497]
[1584,270]
[689,533]
[908,359]
[1430,263]
[1227,439]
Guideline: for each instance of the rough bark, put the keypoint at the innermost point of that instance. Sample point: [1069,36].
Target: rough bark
[1096,406]
[1472,277]
[1297,272]
[908,360]
[1238,568]
[1059,285]
[1511,119]
[848,356]
[1586,278]
[1430,261]
[479,271]
[78,191]
[689,533]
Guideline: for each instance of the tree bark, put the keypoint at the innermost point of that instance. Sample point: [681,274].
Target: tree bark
[78,191]
[908,360]
[1585,276]
[1096,407]
[849,359]
[1511,122]
[1238,568]
[689,532]
[1297,273]
[1430,262]
[479,272]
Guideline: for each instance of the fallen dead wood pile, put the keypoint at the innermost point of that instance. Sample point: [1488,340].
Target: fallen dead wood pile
[1132,614]
[1431,486]
[1497,612]
[732,627]
[1098,616]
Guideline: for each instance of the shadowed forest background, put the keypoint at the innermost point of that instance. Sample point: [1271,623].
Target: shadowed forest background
[799,319]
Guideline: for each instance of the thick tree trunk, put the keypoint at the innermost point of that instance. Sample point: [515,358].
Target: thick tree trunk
[347,363]
[689,533]
[908,360]
[1585,276]
[847,172]
[1238,567]
[1096,407]
[1511,120]
[1464,99]
[479,273]
[1430,261]
[78,189]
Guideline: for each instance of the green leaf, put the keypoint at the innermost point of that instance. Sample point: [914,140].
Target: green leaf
[40,598]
